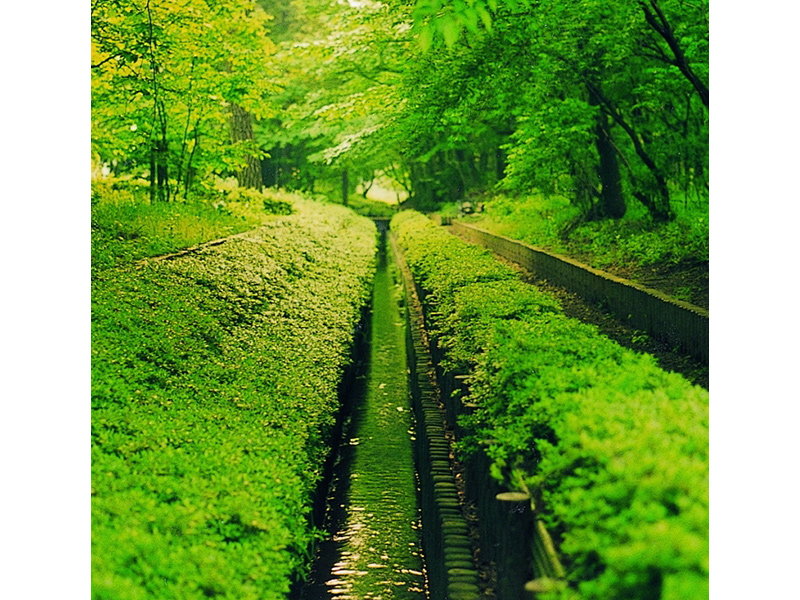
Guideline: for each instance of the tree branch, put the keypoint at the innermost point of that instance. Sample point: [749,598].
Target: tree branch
[659,53]
[104,61]
[660,212]
[658,21]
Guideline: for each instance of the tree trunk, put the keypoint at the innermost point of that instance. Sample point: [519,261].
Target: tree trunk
[153,171]
[159,171]
[659,206]
[464,163]
[242,131]
[611,198]
[269,168]
[500,163]
[190,170]
[159,157]
[611,203]
[367,186]
[421,190]
[162,170]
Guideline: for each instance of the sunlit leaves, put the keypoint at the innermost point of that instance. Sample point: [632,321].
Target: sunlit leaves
[214,389]
[449,19]
[426,38]
[340,66]
[193,58]
[613,449]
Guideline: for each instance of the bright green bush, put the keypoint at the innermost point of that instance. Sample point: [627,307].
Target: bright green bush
[477,307]
[613,449]
[214,392]
[439,261]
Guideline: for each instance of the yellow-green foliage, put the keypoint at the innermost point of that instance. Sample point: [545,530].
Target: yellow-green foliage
[214,391]
[613,448]
[126,226]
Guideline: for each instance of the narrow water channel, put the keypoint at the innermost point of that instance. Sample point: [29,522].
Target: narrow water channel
[374,551]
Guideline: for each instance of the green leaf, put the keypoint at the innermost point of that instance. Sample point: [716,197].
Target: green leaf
[484,16]
[469,18]
[426,37]
[450,28]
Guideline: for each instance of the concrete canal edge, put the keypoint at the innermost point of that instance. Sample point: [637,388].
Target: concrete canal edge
[446,540]
[673,321]
[511,541]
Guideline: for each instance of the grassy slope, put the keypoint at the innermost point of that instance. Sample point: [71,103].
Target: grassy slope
[126,227]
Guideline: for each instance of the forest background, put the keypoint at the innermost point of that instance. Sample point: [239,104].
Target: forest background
[47,293]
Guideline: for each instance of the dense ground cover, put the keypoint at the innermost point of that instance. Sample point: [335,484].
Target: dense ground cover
[126,226]
[669,256]
[214,391]
[613,449]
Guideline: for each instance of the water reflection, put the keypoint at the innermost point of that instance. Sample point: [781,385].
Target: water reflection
[374,550]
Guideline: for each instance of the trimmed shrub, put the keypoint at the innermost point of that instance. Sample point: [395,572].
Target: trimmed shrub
[214,394]
[613,449]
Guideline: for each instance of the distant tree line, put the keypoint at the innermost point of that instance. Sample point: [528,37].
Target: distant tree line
[604,103]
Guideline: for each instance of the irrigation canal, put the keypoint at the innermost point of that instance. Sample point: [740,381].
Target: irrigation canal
[374,548]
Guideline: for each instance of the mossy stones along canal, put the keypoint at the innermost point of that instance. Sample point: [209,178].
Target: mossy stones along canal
[375,551]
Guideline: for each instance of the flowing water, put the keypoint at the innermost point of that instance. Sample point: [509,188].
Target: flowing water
[374,551]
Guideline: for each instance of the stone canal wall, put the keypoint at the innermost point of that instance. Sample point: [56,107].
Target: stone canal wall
[511,544]
[675,322]
[446,540]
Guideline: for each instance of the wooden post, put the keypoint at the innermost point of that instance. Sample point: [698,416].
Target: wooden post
[514,557]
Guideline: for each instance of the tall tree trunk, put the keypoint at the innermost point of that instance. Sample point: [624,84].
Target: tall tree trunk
[159,157]
[611,197]
[153,152]
[242,131]
[269,168]
[464,163]
[500,163]
[190,170]
[159,176]
[185,140]
[659,206]
[612,202]
[367,184]
[162,170]
[159,171]
[421,190]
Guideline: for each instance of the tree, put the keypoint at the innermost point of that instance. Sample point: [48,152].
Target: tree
[340,68]
[164,77]
[629,74]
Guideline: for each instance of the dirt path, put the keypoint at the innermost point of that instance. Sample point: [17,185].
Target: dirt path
[574,306]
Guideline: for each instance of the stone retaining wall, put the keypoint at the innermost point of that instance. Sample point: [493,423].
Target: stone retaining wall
[680,324]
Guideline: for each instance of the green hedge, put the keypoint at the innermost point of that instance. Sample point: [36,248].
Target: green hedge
[613,449]
[214,392]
